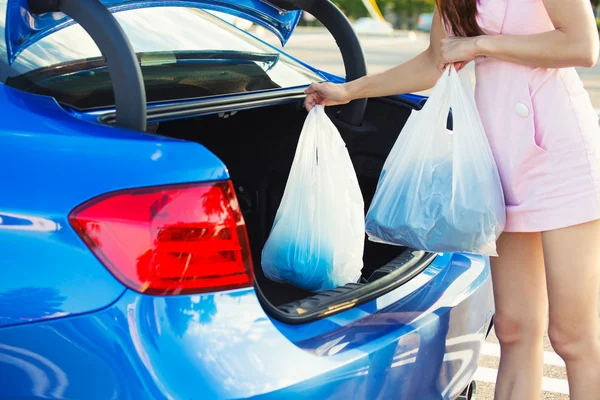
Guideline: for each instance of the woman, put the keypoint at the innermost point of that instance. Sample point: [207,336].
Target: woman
[546,140]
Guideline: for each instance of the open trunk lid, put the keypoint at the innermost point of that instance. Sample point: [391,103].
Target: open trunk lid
[25,27]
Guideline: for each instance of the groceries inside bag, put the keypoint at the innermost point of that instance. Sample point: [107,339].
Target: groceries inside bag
[440,190]
[317,240]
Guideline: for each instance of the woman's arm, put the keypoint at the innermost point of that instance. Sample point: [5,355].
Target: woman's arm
[417,74]
[573,42]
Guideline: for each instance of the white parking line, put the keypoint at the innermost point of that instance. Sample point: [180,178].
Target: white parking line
[550,358]
[548,384]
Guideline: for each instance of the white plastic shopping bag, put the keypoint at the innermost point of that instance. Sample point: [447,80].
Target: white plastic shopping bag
[317,240]
[440,190]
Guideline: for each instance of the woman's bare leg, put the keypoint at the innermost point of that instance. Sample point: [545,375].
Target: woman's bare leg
[572,258]
[521,313]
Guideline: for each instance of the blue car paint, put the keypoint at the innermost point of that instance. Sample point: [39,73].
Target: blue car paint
[24,28]
[221,346]
[57,162]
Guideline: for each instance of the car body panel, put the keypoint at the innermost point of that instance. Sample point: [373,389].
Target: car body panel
[420,343]
[24,28]
[55,159]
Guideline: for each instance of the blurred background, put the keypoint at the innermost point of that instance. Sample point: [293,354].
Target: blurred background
[400,14]
[397,14]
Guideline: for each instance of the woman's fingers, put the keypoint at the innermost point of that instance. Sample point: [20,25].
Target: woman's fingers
[442,67]
[312,96]
[315,95]
[308,104]
[312,100]
[460,65]
[325,94]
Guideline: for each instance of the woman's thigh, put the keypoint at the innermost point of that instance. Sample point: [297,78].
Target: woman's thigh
[572,257]
[520,292]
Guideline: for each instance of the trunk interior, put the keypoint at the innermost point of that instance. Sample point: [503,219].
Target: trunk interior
[258,147]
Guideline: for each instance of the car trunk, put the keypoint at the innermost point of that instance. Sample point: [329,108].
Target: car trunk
[252,126]
[258,147]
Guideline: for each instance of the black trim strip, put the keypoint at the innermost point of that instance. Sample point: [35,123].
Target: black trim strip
[338,302]
[211,105]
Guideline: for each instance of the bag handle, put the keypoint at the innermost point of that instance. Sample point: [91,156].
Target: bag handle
[451,90]
[437,107]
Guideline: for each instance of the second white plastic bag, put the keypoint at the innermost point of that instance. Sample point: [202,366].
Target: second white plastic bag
[317,239]
[440,190]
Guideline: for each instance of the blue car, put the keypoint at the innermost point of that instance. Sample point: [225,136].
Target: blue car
[145,147]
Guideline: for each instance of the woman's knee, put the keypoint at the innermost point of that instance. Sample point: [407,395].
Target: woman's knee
[514,328]
[572,341]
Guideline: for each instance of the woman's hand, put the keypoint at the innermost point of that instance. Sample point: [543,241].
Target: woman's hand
[326,94]
[458,51]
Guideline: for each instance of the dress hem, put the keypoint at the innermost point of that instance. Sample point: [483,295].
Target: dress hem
[534,222]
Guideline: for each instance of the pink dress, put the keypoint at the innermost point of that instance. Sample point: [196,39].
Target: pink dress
[541,126]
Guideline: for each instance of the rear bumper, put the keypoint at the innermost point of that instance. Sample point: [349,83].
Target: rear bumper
[420,341]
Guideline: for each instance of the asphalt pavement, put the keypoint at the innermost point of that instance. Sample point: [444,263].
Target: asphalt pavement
[318,48]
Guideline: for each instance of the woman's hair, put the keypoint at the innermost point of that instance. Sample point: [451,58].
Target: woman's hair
[460,16]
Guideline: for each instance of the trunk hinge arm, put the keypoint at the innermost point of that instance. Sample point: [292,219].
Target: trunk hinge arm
[121,60]
[354,62]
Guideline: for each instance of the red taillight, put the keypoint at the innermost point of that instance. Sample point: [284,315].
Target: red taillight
[169,240]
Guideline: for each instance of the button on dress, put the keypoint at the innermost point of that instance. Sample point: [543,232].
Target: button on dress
[542,128]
